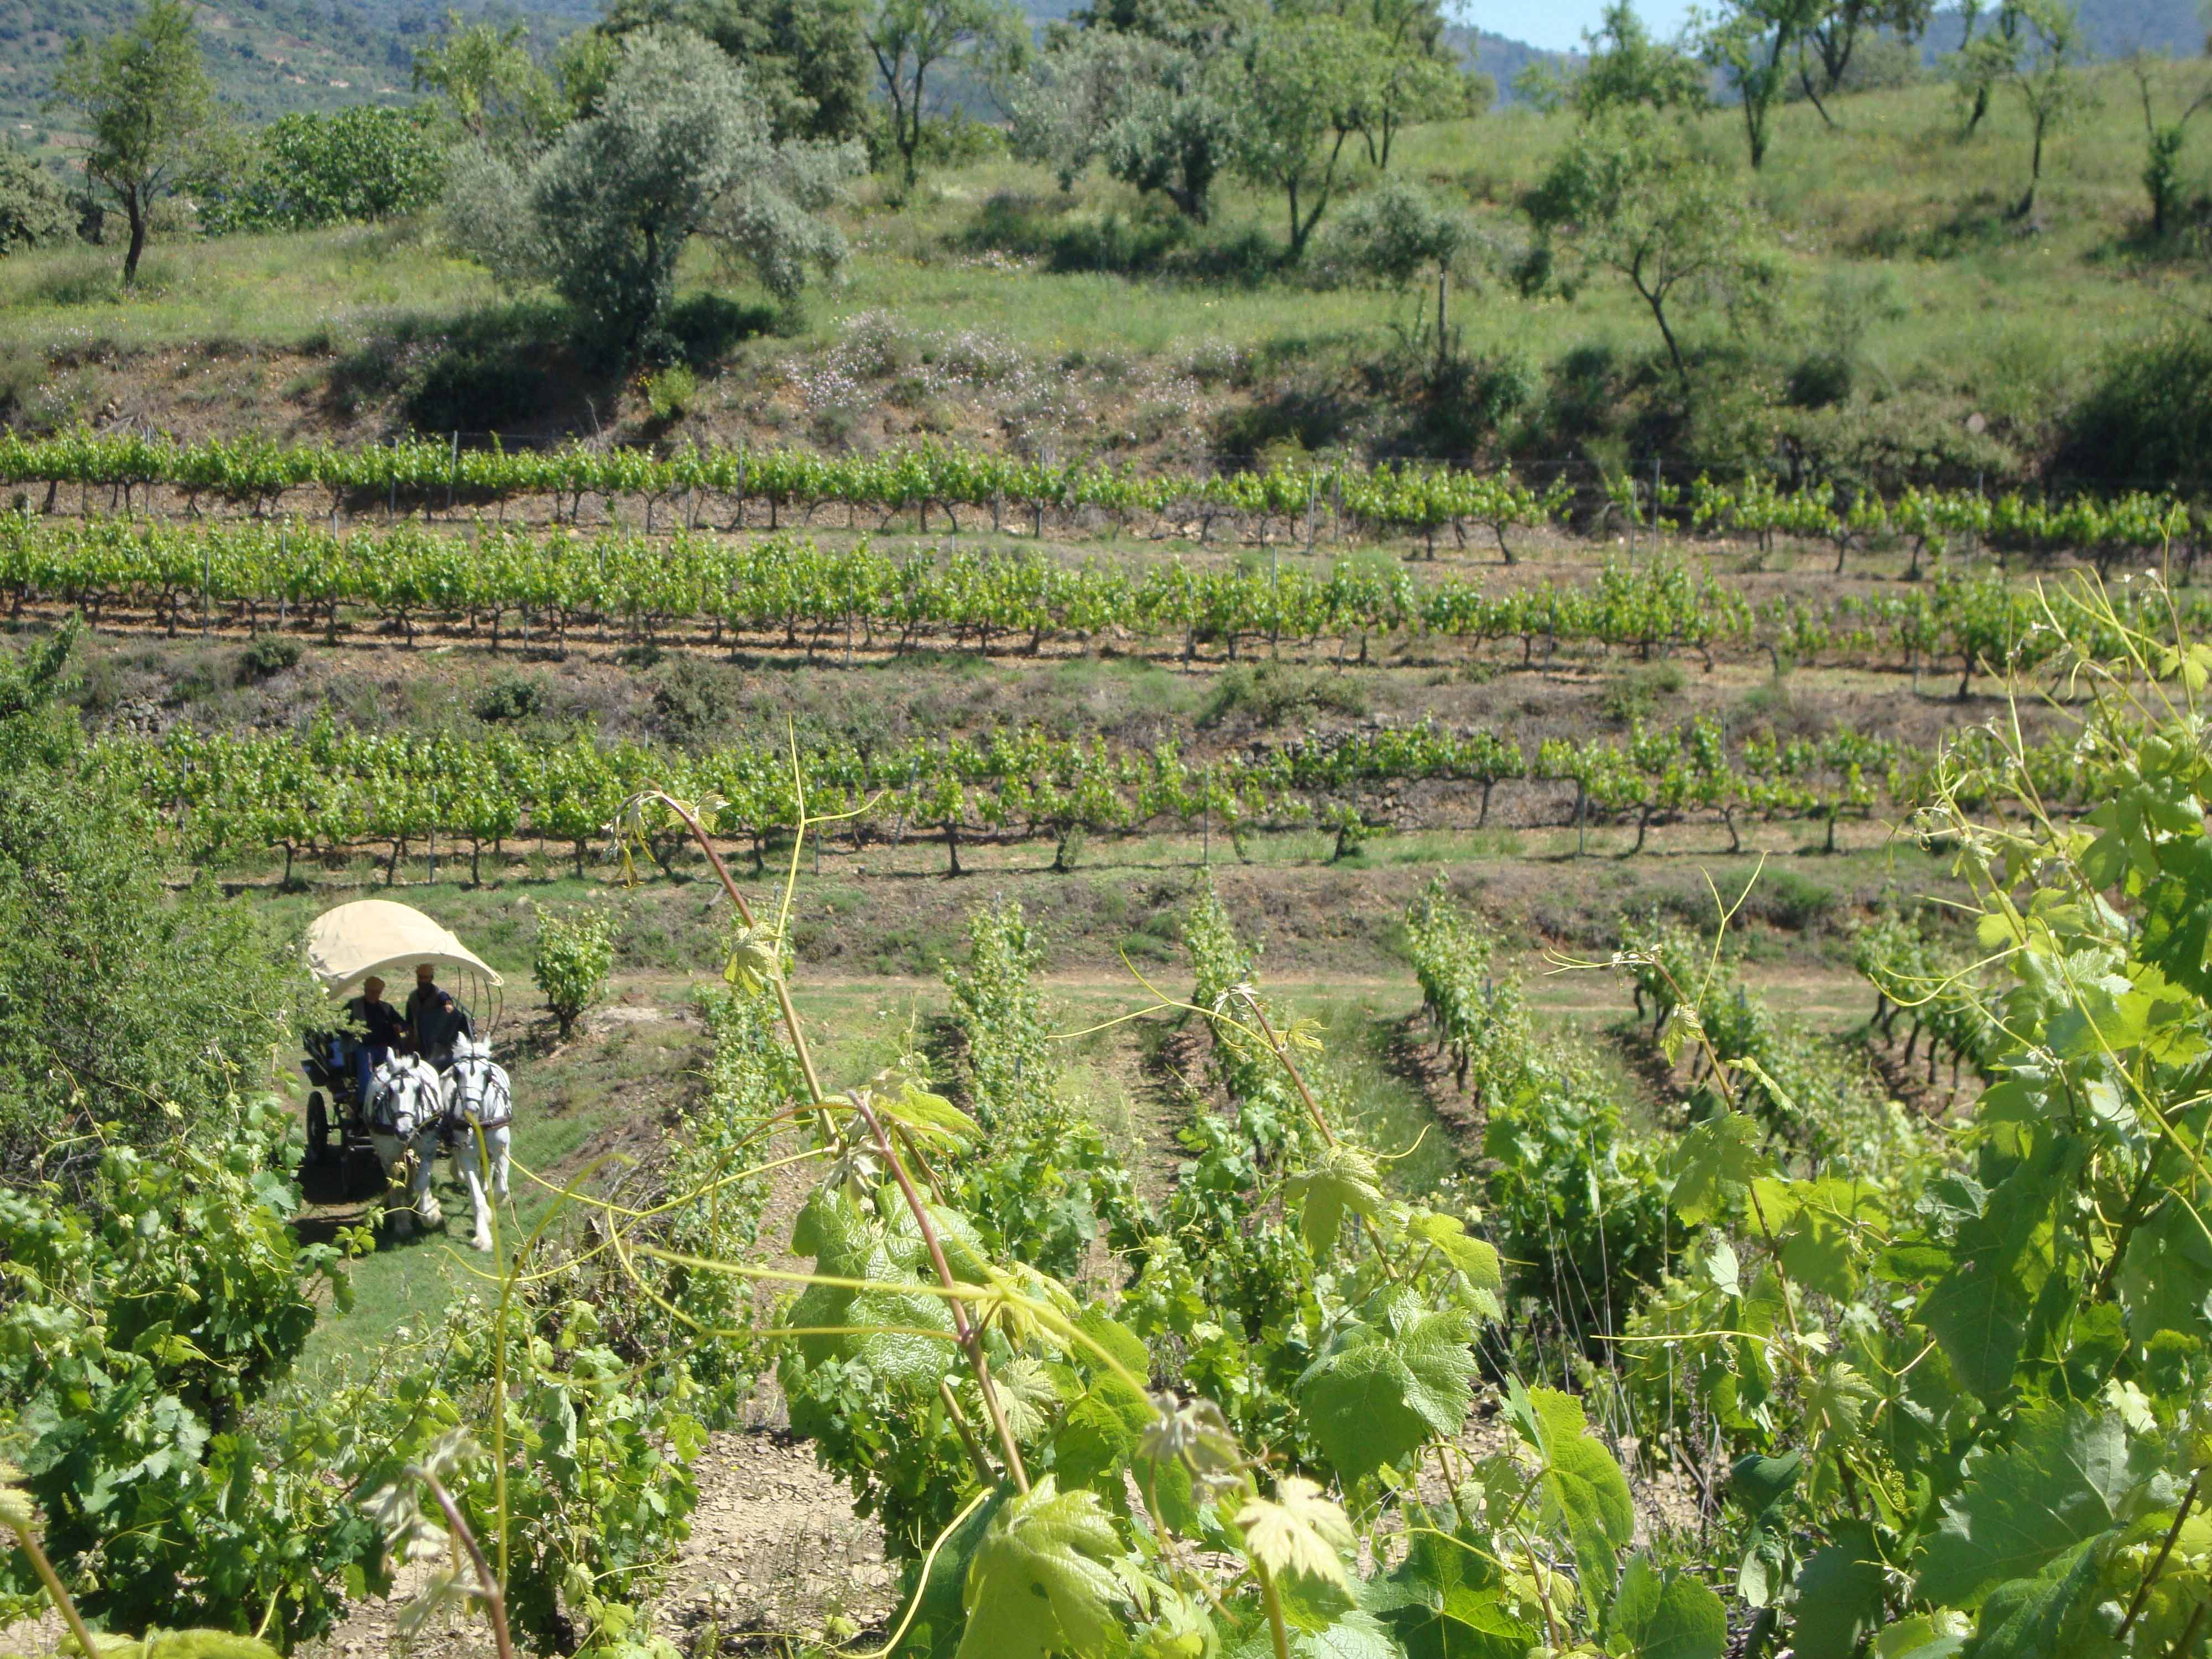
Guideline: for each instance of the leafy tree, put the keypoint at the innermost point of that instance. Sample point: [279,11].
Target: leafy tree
[1834,38]
[2162,140]
[1397,234]
[1753,43]
[1414,75]
[145,99]
[33,211]
[1984,60]
[1626,68]
[1635,196]
[119,1004]
[494,92]
[359,166]
[806,59]
[1140,106]
[2046,74]
[678,147]
[1293,87]
[909,38]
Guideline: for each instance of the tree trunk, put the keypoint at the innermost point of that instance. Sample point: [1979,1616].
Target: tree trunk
[138,216]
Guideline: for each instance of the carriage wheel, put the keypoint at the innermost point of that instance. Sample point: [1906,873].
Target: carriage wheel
[319,1129]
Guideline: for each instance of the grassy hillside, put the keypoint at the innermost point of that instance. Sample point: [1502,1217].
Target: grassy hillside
[991,305]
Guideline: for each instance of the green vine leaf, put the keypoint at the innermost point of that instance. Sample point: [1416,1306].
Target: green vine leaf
[1979,1308]
[1715,1162]
[1044,1580]
[1342,1178]
[1837,1601]
[2066,1477]
[1377,1393]
[1298,1533]
[1656,1615]
[1583,1490]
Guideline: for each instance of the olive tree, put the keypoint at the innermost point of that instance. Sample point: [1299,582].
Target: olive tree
[491,91]
[1636,197]
[805,59]
[1137,105]
[1396,235]
[146,101]
[1622,67]
[678,148]
[2162,139]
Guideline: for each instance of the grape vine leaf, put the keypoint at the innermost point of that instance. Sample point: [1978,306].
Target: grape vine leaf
[1096,1440]
[1299,1532]
[1376,1395]
[1583,1489]
[2166,1280]
[2177,915]
[1446,1600]
[939,1609]
[1656,1615]
[1714,1161]
[1938,1635]
[1356,1635]
[1342,1178]
[1979,1308]
[1351,1636]
[1472,1257]
[2050,1614]
[2065,1477]
[1044,1580]
[1838,1599]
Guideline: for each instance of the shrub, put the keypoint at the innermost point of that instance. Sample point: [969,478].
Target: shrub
[691,701]
[510,697]
[104,974]
[305,169]
[570,966]
[670,391]
[33,211]
[1272,693]
[2146,423]
[1635,696]
[272,653]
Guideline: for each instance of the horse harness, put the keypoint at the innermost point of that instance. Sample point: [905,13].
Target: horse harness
[397,1099]
[476,1087]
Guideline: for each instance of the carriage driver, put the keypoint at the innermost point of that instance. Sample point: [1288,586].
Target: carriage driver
[381,1032]
[434,1018]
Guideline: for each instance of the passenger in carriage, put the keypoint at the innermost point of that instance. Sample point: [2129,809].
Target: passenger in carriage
[434,1019]
[382,1031]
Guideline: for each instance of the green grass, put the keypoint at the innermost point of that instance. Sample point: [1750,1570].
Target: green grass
[1964,309]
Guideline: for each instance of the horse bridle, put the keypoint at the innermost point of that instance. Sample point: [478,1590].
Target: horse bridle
[472,1077]
[403,1085]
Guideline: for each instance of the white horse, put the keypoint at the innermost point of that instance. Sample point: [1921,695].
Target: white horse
[478,1098]
[406,1113]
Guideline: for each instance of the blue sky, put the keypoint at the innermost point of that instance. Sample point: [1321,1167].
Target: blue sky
[1558,24]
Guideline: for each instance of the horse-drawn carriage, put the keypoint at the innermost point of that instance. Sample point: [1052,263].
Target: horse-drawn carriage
[404,1108]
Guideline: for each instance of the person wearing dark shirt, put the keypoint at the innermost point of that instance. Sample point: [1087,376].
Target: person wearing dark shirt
[434,1019]
[382,1031]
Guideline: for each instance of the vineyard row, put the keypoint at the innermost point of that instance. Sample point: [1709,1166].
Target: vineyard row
[509,581]
[327,789]
[1290,499]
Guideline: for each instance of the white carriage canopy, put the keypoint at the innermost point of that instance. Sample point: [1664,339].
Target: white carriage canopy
[376,937]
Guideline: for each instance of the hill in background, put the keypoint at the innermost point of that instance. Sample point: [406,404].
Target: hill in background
[267,56]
